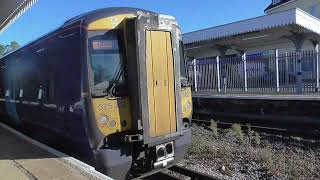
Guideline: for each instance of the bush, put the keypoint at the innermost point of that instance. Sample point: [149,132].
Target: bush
[214,128]
[236,128]
[266,158]
[256,138]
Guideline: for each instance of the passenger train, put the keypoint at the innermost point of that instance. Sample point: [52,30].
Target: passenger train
[109,85]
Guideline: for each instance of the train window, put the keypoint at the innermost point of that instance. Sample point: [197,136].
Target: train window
[182,60]
[106,59]
[2,74]
[40,93]
[21,93]
[7,93]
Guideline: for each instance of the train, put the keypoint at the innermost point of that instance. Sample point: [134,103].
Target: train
[109,86]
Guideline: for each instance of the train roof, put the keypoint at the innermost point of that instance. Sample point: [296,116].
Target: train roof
[87,18]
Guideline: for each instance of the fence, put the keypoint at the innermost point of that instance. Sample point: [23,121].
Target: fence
[294,72]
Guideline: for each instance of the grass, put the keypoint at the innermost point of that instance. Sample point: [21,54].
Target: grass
[256,138]
[214,128]
[265,157]
[236,129]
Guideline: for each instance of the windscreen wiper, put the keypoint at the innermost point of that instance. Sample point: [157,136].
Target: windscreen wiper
[111,90]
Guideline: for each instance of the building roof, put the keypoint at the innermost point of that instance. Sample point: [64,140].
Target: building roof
[10,10]
[283,19]
[275,5]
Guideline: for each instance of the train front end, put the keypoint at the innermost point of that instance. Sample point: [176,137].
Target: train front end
[138,102]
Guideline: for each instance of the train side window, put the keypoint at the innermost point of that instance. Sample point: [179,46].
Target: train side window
[7,93]
[21,93]
[40,93]
[2,74]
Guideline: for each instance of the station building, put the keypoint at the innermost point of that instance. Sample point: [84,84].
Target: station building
[277,52]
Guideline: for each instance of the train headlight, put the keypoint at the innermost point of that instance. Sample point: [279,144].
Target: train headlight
[104,120]
[112,124]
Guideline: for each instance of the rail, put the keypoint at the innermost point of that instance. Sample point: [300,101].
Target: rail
[179,173]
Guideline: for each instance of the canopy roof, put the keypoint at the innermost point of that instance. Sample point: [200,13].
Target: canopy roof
[283,20]
[10,10]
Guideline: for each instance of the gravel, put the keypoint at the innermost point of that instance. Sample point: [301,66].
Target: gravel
[258,156]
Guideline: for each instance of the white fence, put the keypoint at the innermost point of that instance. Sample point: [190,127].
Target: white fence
[295,72]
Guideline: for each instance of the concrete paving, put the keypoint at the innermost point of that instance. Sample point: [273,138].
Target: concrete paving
[21,159]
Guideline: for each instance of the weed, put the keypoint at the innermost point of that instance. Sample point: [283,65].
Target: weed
[236,128]
[296,138]
[266,158]
[256,138]
[214,128]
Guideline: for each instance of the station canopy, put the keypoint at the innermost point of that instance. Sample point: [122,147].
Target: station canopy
[10,10]
[256,32]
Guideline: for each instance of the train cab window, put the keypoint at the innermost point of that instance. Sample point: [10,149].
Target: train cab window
[106,60]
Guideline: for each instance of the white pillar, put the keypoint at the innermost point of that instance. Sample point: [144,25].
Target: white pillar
[287,69]
[244,58]
[195,74]
[316,49]
[277,70]
[218,73]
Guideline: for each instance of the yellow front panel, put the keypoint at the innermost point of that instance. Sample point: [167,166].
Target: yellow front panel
[160,81]
[150,84]
[117,112]
[186,102]
[109,22]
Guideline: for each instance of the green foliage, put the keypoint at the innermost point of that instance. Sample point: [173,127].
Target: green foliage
[14,45]
[256,138]
[5,49]
[236,128]
[2,50]
[214,128]
[265,157]
[296,138]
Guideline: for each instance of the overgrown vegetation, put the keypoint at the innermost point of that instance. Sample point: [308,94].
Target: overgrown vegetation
[236,130]
[256,138]
[237,153]
[214,128]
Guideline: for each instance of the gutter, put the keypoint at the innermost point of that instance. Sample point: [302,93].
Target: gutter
[278,6]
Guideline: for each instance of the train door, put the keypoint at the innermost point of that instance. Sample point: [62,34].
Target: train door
[154,77]
[160,83]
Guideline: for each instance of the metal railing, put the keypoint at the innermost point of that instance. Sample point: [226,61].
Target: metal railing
[291,72]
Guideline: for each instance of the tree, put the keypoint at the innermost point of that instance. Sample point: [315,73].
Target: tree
[14,45]
[5,49]
[2,50]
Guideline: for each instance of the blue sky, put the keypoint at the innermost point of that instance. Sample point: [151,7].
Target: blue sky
[192,15]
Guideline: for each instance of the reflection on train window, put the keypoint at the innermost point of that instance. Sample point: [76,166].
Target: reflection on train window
[106,58]
[105,67]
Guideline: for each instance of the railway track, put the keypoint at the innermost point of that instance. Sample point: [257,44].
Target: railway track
[268,128]
[179,173]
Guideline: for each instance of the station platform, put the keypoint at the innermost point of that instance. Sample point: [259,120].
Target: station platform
[22,158]
[261,96]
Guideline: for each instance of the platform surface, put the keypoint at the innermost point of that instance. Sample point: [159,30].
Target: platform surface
[24,160]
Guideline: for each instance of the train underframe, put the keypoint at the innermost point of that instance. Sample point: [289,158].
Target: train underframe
[135,159]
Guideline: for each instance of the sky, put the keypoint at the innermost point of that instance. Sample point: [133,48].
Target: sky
[192,15]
